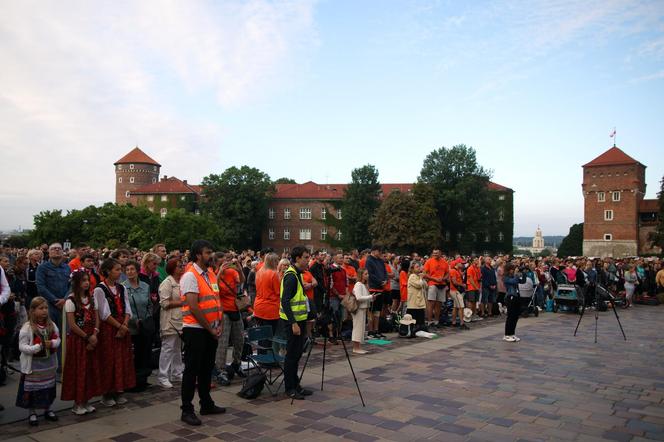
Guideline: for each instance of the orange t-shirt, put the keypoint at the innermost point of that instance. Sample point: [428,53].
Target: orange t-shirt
[455,276]
[351,273]
[473,277]
[403,285]
[436,268]
[363,262]
[308,278]
[75,264]
[260,265]
[227,295]
[388,287]
[268,286]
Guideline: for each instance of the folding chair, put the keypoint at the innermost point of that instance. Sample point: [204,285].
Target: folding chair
[266,360]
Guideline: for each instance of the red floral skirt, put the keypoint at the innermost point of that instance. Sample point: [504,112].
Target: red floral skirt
[80,381]
[116,359]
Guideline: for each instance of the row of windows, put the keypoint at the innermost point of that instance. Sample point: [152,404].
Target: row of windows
[164,211]
[615,196]
[150,198]
[305,234]
[305,213]
[487,237]
[501,214]
[131,167]
[131,180]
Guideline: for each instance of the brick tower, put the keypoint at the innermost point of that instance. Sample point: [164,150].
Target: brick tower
[613,188]
[134,170]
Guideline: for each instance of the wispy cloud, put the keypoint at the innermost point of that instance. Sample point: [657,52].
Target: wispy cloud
[83,82]
[656,76]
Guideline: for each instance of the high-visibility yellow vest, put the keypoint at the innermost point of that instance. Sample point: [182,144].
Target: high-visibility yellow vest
[298,303]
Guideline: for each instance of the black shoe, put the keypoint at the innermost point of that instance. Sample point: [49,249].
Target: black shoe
[304,391]
[2,408]
[223,380]
[215,409]
[190,419]
[464,327]
[32,420]
[333,341]
[294,394]
[238,370]
[50,416]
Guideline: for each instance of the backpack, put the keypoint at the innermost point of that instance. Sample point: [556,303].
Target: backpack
[407,331]
[252,386]
[384,326]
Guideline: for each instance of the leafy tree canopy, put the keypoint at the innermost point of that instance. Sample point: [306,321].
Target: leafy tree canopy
[285,181]
[360,202]
[657,237]
[572,244]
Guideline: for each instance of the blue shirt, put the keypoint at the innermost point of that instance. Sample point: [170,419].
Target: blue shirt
[488,277]
[53,280]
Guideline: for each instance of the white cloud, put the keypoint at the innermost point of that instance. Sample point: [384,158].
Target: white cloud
[83,82]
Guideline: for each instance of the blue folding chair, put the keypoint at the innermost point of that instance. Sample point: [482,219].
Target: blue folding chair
[266,360]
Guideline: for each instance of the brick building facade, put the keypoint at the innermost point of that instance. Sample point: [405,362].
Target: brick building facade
[617,218]
[297,215]
[133,171]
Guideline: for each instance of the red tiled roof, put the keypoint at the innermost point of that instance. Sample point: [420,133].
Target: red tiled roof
[167,185]
[498,187]
[649,206]
[314,191]
[136,156]
[611,157]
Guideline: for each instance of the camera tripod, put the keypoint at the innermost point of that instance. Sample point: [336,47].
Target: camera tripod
[597,289]
[310,343]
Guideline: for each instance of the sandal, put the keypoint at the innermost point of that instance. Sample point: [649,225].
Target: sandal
[32,420]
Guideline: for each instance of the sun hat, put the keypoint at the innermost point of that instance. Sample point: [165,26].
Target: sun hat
[407,319]
[467,314]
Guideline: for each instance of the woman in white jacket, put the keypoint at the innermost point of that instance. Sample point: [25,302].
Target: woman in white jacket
[363,297]
[38,341]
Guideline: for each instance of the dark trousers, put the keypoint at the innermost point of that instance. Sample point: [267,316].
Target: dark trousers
[294,350]
[200,349]
[142,358]
[513,303]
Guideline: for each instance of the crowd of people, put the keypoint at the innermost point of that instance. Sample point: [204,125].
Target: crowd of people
[125,313]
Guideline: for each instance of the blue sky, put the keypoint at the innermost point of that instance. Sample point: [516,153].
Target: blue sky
[311,90]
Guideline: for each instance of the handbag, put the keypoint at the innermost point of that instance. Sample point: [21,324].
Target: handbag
[350,303]
[146,327]
[242,300]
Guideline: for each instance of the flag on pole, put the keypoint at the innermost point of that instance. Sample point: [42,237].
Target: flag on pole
[613,133]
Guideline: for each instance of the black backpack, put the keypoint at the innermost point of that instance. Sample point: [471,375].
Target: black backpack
[252,386]
[407,331]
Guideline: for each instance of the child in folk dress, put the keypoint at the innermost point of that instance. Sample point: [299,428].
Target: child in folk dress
[81,381]
[38,340]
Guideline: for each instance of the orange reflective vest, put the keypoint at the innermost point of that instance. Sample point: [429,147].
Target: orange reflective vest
[208,298]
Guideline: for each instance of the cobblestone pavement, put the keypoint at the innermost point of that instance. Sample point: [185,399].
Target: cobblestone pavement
[463,386]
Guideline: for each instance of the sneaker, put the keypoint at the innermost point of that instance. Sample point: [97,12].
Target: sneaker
[120,400]
[360,352]
[50,416]
[32,420]
[108,401]
[477,318]
[304,391]
[79,410]
[294,394]
[509,338]
[190,419]
[516,338]
[223,380]
[165,383]
[89,408]
[215,409]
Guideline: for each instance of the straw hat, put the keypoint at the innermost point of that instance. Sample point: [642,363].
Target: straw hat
[467,314]
[407,319]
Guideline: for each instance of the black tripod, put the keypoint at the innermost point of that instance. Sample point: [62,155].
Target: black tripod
[599,291]
[336,332]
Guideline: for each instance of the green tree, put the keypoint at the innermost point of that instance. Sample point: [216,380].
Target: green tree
[237,200]
[545,253]
[462,199]
[657,237]
[405,224]
[572,244]
[360,201]
[179,228]
[284,180]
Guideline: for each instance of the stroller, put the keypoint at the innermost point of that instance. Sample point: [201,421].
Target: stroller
[527,292]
